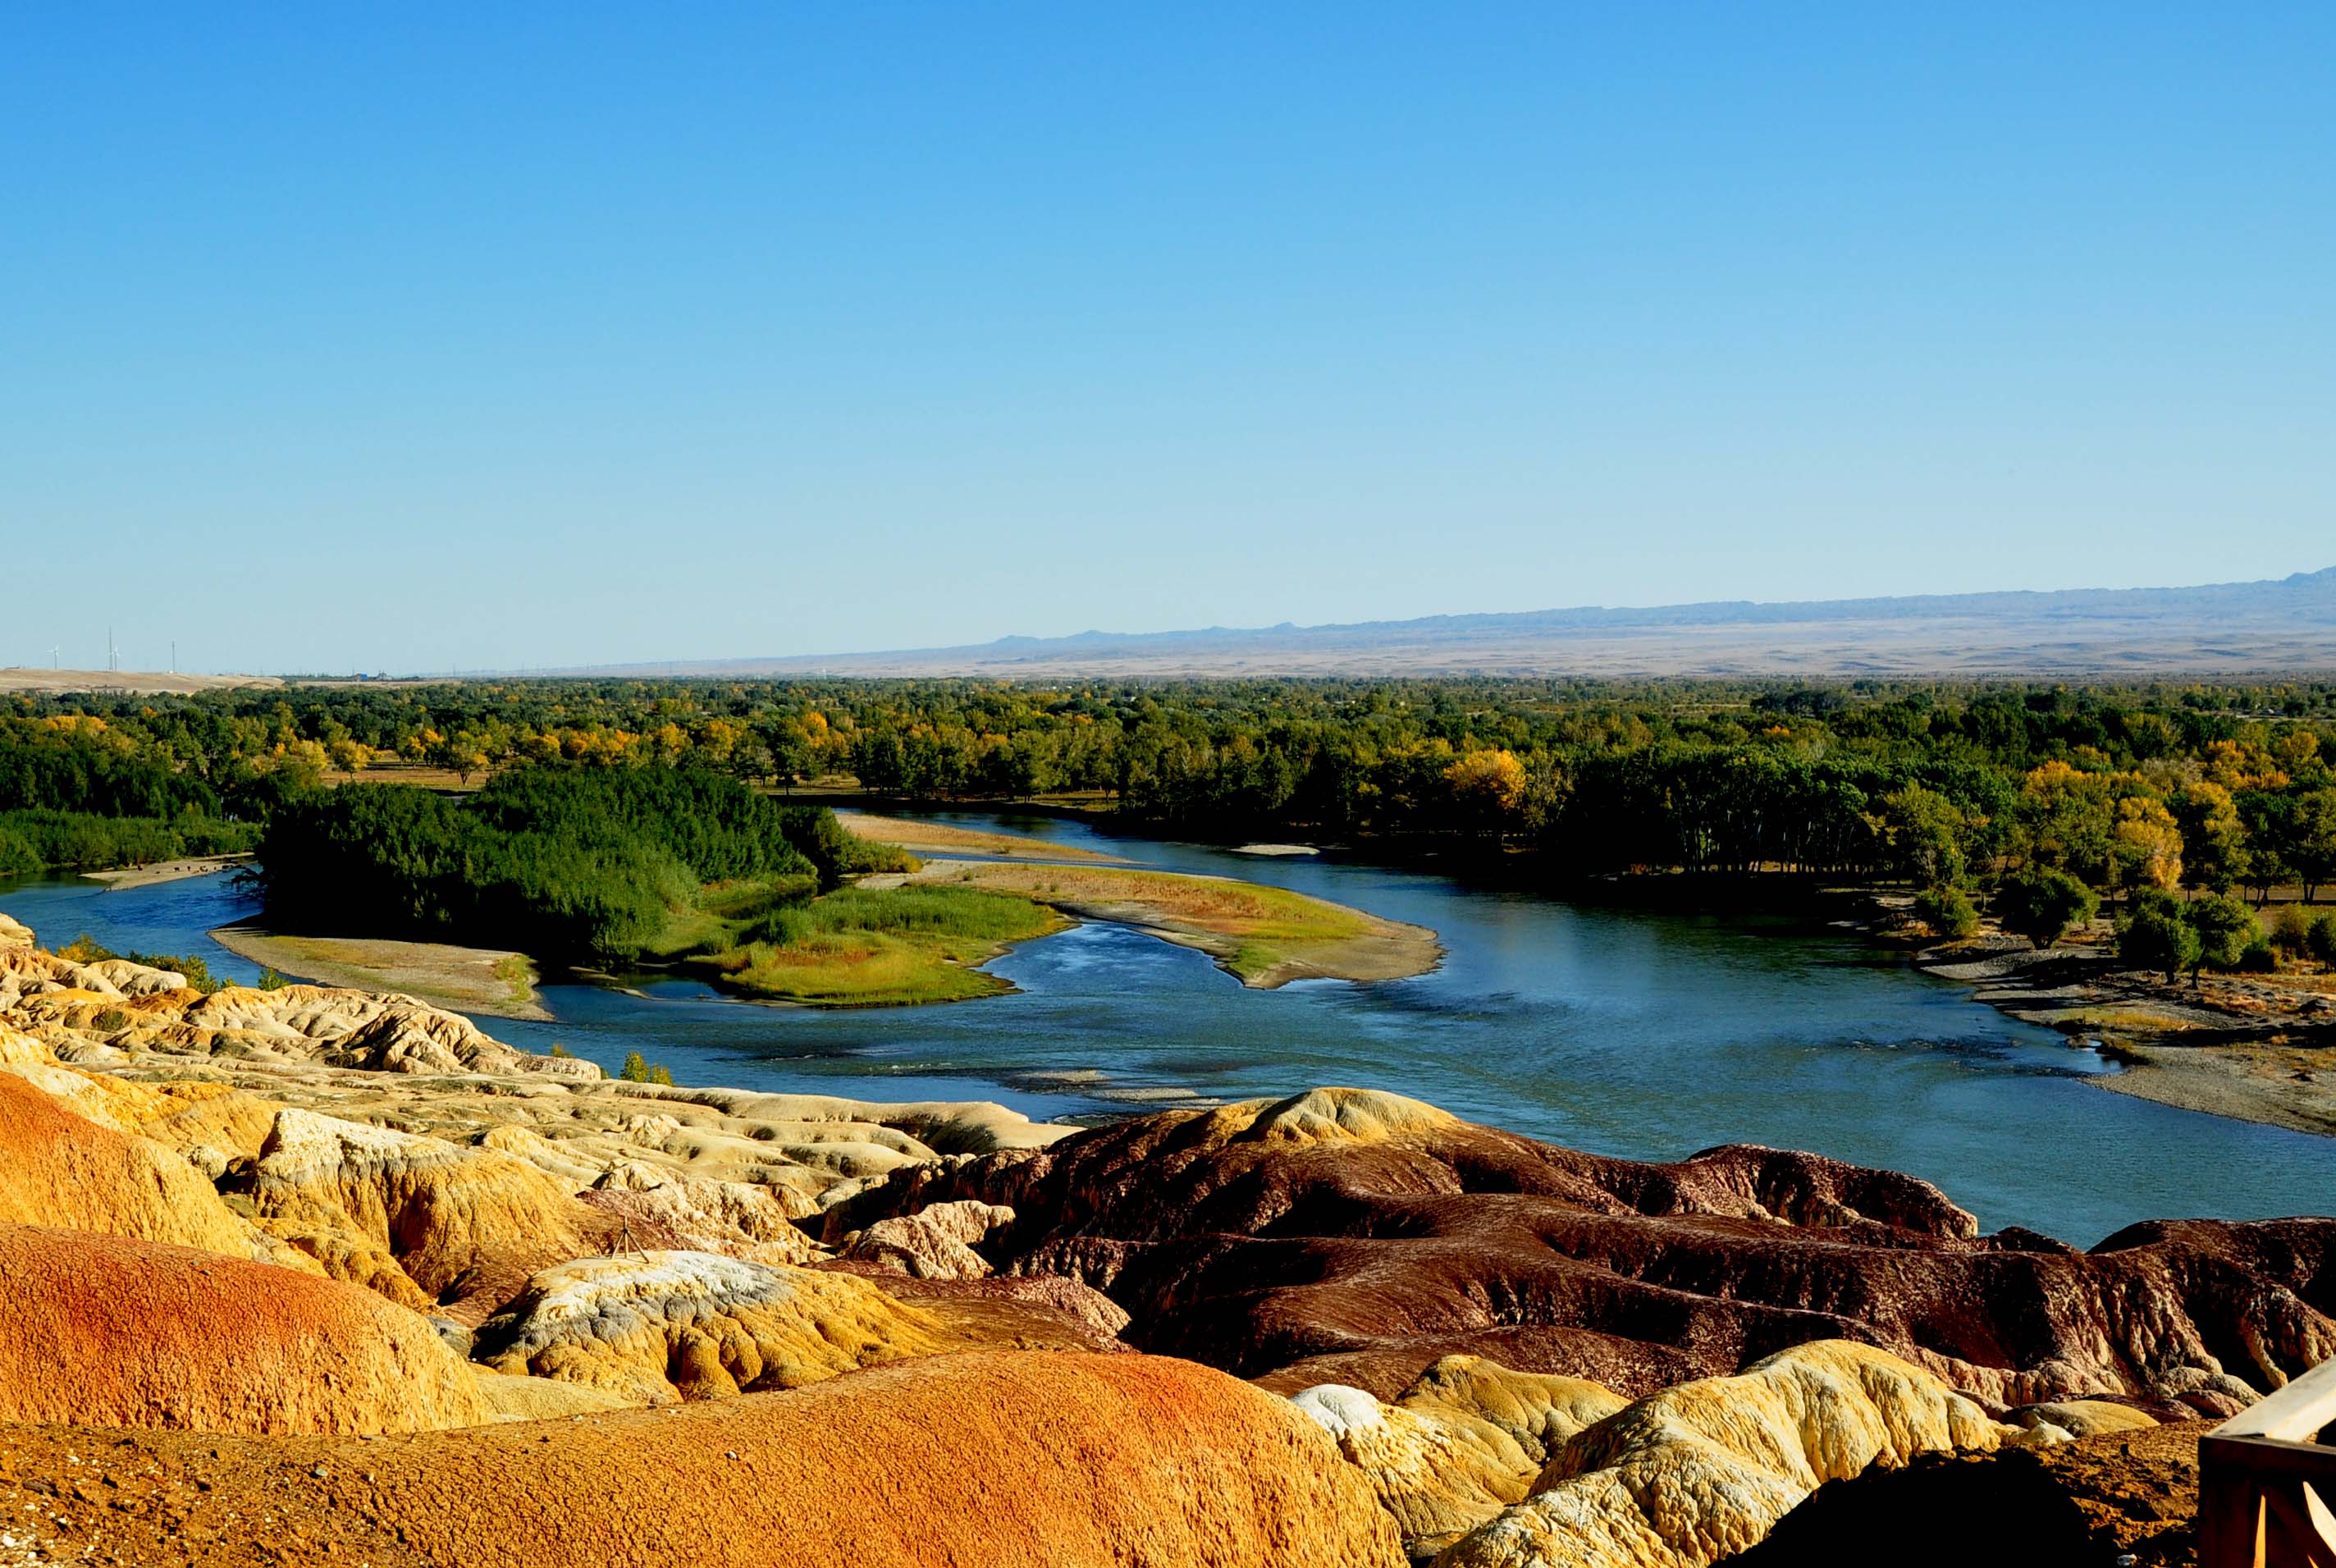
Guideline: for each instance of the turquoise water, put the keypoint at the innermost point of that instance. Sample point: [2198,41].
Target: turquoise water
[1624,1032]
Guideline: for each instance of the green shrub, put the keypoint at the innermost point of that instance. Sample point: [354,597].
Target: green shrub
[2043,903]
[2257,958]
[2291,929]
[2319,939]
[1948,911]
[36,839]
[270,981]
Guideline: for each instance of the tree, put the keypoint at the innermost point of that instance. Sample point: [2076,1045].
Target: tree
[2226,928]
[2153,935]
[637,1069]
[2041,903]
[2214,839]
[2320,939]
[2146,846]
[1924,833]
[1488,787]
[2309,846]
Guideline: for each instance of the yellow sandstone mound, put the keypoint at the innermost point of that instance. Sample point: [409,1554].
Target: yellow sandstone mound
[982,1460]
[653,1328]
[62,1169]
[1466,1440]
[1327,1116]
[1704,1469]
[104,1331]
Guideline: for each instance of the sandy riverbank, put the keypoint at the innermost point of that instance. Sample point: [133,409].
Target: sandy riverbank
[166,871]
[2255,1047]
[465,979]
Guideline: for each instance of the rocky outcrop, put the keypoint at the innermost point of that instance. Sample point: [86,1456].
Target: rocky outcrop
[105,1332]
[1696,1473]
[466,1225]
[96,1012]
[935,1242]
[702,1214]
[1352,1237]
[655,1328]
[959,1460]
[2117,1497]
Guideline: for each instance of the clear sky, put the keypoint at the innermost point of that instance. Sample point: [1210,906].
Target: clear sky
[409,337]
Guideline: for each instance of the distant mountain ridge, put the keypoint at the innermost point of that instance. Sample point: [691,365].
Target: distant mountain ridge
[2286,625]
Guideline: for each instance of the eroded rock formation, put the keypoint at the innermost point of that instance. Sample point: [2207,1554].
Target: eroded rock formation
[1348,1237]
[1696,1473]
[60,1168]
[1510,1353]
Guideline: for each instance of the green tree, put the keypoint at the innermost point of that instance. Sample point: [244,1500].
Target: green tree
[1924,833]
[2226,928]
[2041,903]
[2153,935]
[2309,840]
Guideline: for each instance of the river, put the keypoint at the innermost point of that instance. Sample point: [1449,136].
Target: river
[1624,1032]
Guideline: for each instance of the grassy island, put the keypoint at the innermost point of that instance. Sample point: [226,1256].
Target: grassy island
[882,948]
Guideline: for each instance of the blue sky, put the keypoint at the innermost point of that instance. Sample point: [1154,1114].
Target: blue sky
[410,338]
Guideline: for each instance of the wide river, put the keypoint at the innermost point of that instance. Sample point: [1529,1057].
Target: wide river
[1630,1033]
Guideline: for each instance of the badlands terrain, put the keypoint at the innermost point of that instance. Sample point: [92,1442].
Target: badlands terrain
[311,1275]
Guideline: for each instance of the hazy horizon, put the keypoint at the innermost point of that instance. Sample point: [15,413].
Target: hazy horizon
[440,340]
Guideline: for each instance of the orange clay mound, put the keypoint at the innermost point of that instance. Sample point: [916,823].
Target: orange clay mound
[1007,1459]
[104,1331]
[57,1168]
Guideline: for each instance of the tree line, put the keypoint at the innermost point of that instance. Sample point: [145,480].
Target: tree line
[1939,786]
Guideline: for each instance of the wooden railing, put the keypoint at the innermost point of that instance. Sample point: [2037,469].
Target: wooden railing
[2265,1488]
